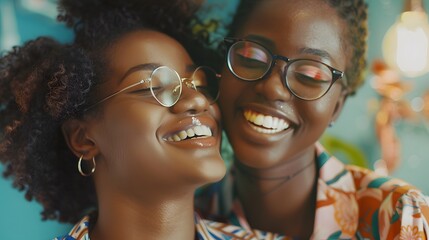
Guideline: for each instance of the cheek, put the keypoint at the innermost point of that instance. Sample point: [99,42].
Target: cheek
[133,126]
[321,111]
[230,90]
[215,112]
[131,149]
[224,88]
[128,133]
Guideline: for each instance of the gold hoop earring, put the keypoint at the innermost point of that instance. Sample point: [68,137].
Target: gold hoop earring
[79,167]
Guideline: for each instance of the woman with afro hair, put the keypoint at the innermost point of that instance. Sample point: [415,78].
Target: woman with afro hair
[117,129]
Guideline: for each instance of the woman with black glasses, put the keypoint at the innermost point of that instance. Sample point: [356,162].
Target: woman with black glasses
[290,66]
[118,129]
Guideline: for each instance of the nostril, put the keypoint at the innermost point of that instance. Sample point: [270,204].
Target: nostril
[192,111]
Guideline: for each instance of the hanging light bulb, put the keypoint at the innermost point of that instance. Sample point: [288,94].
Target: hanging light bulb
[406,43]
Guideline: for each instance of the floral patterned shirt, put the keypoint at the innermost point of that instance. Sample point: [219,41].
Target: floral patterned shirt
[205,230]
[352,203]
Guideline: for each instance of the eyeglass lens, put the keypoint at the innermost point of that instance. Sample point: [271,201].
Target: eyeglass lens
[206,82]
[166,84]
[306,79]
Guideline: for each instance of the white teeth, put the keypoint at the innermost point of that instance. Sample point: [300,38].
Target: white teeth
[190,132]
[199,131]
[208,132]
[176,138]
[267,124]
[183,135]
[259,120]
[276,121]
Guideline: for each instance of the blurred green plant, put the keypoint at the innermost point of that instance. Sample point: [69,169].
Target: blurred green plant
[344,151]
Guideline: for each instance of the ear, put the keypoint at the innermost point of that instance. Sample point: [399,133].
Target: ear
[339,105]
[78,138]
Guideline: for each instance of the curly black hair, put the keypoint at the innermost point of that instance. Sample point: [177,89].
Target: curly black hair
[355,15]
[43,83]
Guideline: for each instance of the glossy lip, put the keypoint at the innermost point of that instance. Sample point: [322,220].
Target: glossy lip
[189,122]
[253,135]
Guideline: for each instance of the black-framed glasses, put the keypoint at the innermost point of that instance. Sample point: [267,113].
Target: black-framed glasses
[307,79]
[165,85]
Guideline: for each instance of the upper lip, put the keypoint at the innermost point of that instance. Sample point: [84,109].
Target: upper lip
[189,122]
[285,113]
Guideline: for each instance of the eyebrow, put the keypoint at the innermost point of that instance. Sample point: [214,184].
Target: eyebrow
[317,52]
[146,66]
[268,43]
[151,66]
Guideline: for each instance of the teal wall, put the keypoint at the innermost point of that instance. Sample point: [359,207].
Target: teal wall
[20,219]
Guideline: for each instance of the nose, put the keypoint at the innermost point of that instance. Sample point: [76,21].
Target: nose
[273,87]
[191,101]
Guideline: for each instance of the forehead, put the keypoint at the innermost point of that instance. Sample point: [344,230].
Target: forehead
[147,46]
[296,25]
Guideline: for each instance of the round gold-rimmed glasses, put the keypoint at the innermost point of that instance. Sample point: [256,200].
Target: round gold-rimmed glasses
[165,84]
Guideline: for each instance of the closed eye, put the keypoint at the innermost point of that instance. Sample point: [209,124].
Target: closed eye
[252,53]
[310,80]
[143,91]
[250,62]
[310,72]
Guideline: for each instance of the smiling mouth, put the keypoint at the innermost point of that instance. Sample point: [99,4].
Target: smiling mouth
[265,123]
[200,131]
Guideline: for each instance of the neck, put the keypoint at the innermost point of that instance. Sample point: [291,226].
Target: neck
[280,199]
[151,218]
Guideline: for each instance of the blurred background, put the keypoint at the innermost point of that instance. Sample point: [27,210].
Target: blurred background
[384,127]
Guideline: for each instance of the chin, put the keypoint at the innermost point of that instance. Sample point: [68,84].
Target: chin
[215,170]
[210,170]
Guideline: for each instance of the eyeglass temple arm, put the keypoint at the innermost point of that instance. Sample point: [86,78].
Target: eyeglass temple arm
[344,81]
[116,93]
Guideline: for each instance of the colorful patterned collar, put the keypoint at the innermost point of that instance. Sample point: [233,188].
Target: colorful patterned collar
[205,230]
